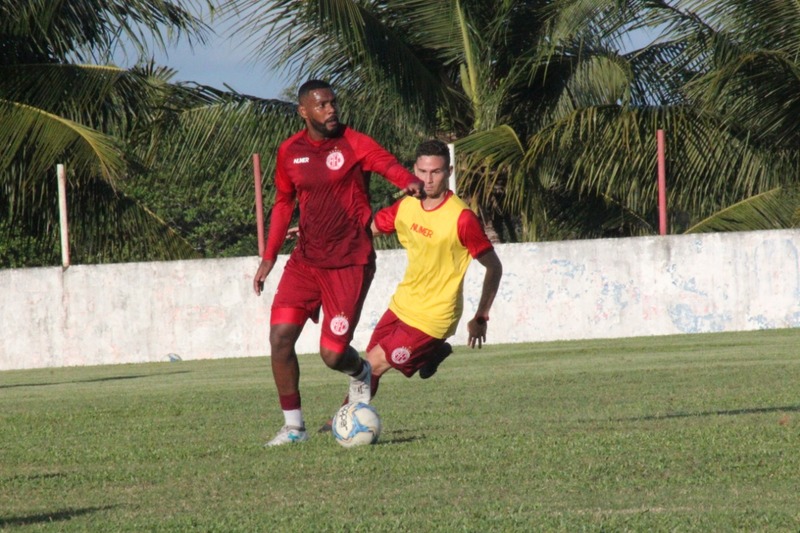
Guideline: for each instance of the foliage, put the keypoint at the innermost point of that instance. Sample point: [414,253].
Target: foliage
[691,433]
[553,116]
[198,167]
[56,109]
[716,153]
[19,249]
[554,122]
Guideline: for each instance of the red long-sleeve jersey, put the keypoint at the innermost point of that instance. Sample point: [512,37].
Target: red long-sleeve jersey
[328,179]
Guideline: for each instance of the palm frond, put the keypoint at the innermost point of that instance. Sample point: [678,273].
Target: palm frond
[62,31]
[485,155]
[45,139]
[340,40]
[219,138]
[773,209]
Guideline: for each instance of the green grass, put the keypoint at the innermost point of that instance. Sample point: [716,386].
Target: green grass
[682,433]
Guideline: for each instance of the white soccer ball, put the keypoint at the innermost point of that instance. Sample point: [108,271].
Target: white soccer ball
[356,424]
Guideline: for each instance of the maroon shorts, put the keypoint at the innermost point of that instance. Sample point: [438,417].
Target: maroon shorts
[340,292]
[407,349]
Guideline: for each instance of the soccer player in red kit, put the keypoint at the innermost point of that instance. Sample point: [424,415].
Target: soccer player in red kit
[441,236]
[332,265]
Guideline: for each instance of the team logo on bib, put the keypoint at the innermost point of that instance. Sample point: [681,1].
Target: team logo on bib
[340,325]
[401,355]
[335,160]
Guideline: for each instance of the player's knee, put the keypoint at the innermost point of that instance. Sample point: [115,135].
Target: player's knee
[377,360]
[283,336]
[331,358]
[342,359]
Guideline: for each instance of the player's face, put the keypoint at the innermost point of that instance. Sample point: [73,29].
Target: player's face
[434,173]
[319,109]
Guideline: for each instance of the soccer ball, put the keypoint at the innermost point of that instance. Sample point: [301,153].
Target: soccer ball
[356,424]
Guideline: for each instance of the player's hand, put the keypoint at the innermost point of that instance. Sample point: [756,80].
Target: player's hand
[415,189]
[261,274]
[292,233]
[477,332]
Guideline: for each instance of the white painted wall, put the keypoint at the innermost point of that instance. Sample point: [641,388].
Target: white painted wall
[140,312]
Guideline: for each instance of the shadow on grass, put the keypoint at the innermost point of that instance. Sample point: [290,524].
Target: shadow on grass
[400,436]
[95,380]
[731,412]
[36,477]
[398,440]
[56,516]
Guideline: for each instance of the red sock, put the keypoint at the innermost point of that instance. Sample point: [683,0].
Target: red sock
[290,401]
[373,385]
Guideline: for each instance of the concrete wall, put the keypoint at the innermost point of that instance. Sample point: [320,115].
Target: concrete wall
[140,312]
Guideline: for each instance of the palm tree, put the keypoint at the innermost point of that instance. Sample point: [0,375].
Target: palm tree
[748,57]
[554,120]
[59,103]
[422,68]
[732,166]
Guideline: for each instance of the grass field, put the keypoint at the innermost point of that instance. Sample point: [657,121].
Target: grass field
[683,433]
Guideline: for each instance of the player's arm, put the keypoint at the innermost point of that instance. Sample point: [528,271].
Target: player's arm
[383,221]
[375,158]
[491,283]
[264,268]
[472,235]
[279,223]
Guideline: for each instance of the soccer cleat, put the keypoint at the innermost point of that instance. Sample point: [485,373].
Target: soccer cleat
[432,365]
[326,427]
[289,435]
[360,385]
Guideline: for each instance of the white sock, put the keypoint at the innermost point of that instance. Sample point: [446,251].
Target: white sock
[294,417]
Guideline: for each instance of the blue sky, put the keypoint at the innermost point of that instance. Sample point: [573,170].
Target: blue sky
[223,60]
[220,61]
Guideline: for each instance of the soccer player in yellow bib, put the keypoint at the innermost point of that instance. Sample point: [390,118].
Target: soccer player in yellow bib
[441,236]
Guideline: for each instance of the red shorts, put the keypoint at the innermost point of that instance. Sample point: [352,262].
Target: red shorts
[407,349]
[340,292]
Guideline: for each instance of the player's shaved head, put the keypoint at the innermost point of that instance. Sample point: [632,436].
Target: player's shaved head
[312,85]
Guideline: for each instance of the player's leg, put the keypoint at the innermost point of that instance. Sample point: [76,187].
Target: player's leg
[283,359]
[432,364]
[349,362]
[378,368]
[343,293]
[377,362]
[397,345]
[403,347]
[294,303]
[286,373]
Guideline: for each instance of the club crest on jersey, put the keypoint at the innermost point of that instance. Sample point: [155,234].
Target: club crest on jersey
[401,355]
[335,160]
[340,325]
